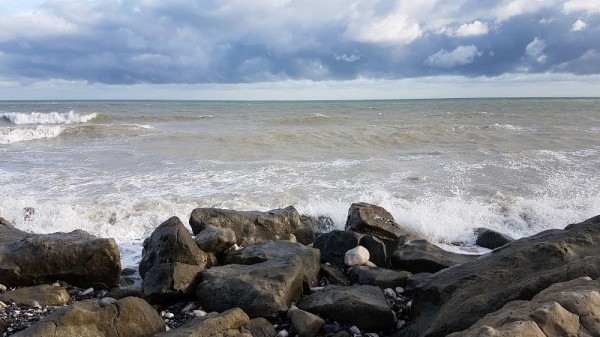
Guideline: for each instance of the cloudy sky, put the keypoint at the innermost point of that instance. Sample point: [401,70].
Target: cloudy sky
[298,49]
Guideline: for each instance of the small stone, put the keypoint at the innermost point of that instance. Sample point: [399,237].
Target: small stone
[86,292]
[169,315]
[409,304]
[400,324]
[331,328]
[107,301]
[3,305]
[292,238]
[188,307]
[399,290]
[56,284]
[2,288]
[199,313]
[282,333]
[34,304]
[354,330]
[356,256]
[389,292]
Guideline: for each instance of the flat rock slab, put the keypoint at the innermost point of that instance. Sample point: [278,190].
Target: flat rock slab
[43,294]
[266,251]
[262,290]
[229,323]
[421,256]
[380,277]
[364,306]
[130,316]
[251,227]
[78,258]
[455,298]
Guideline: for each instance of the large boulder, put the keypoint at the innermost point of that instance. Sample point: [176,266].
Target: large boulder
[269,250]
[380,277]
[421,256]
[78,258]
[363,306]
[229,323]
[491,239]
[169,243]
[43,294]
[335,244]
[377,221]
[376,248]
[252,226]
[264,289]
[166,281]
[455,298]
[129,317]
[569,308]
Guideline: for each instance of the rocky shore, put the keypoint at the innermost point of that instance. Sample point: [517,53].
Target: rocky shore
[279,273]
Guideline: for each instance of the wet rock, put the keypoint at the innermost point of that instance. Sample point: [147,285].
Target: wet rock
[363,306]
[215,240]
[455,298]
[333,274]
[130,316]
[168,281]
[422,256]
[228,323]
[305,323]
[491,239]
[170,242]
[377,250]
[319,225]
[262,290]
[77,258]
[260,327]
[335,244]
[265,251]
[253,226]
[43,294]
[382,278]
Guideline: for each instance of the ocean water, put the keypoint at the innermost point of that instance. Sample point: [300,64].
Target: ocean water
[441,167]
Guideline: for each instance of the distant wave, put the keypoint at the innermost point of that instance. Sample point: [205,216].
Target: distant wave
[15,135]
[47,118]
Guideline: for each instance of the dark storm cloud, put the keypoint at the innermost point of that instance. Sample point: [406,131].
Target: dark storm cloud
[235,41]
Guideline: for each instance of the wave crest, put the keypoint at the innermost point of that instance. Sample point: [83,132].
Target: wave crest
[15,135]
[70,117]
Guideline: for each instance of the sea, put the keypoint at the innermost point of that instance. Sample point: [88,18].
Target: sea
[441,167]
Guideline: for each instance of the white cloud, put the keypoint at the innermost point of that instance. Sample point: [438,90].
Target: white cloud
[590,6]
[535,49]
[390,30]
[347,58]
[578,26]
[462,55]
[33,26]
[511,8]
[472,29]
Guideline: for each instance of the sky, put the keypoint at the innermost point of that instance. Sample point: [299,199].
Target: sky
[292,49]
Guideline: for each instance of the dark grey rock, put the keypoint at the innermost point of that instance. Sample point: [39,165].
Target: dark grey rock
[422,256]
[335,244]
[77,258]
[491,239]
[262,290]
[215,240]
[363,306]
[170,242]
[319,225]
[265,251]
[380,277]
[260,327]
[375,220]
[167,281]
[334,274]
[376,248]
[455,298]
[122,292]
[253,226]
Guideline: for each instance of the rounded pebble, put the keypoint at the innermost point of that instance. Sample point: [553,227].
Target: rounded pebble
[86,292]
[169,315]
[409,304]
[199,313]
[282,333]
[107,301]
[34,304]
[399,290]
[400,324]
[354,330]
[2,288]
[3,305]
[389,292]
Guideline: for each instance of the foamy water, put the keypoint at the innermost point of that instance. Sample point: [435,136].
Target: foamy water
[441,167]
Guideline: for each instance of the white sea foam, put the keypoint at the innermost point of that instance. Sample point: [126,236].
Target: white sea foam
[15,135]
[47,118]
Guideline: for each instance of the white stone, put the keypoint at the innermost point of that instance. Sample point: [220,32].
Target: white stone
[188,307]
[3,305]
[389,292]
[107,301]
[34,304]
[399,290]
[283,333]
[199,313]
[354,330]
[409,304]
[2,288]
[357,256]
[169,315]
[86,292]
